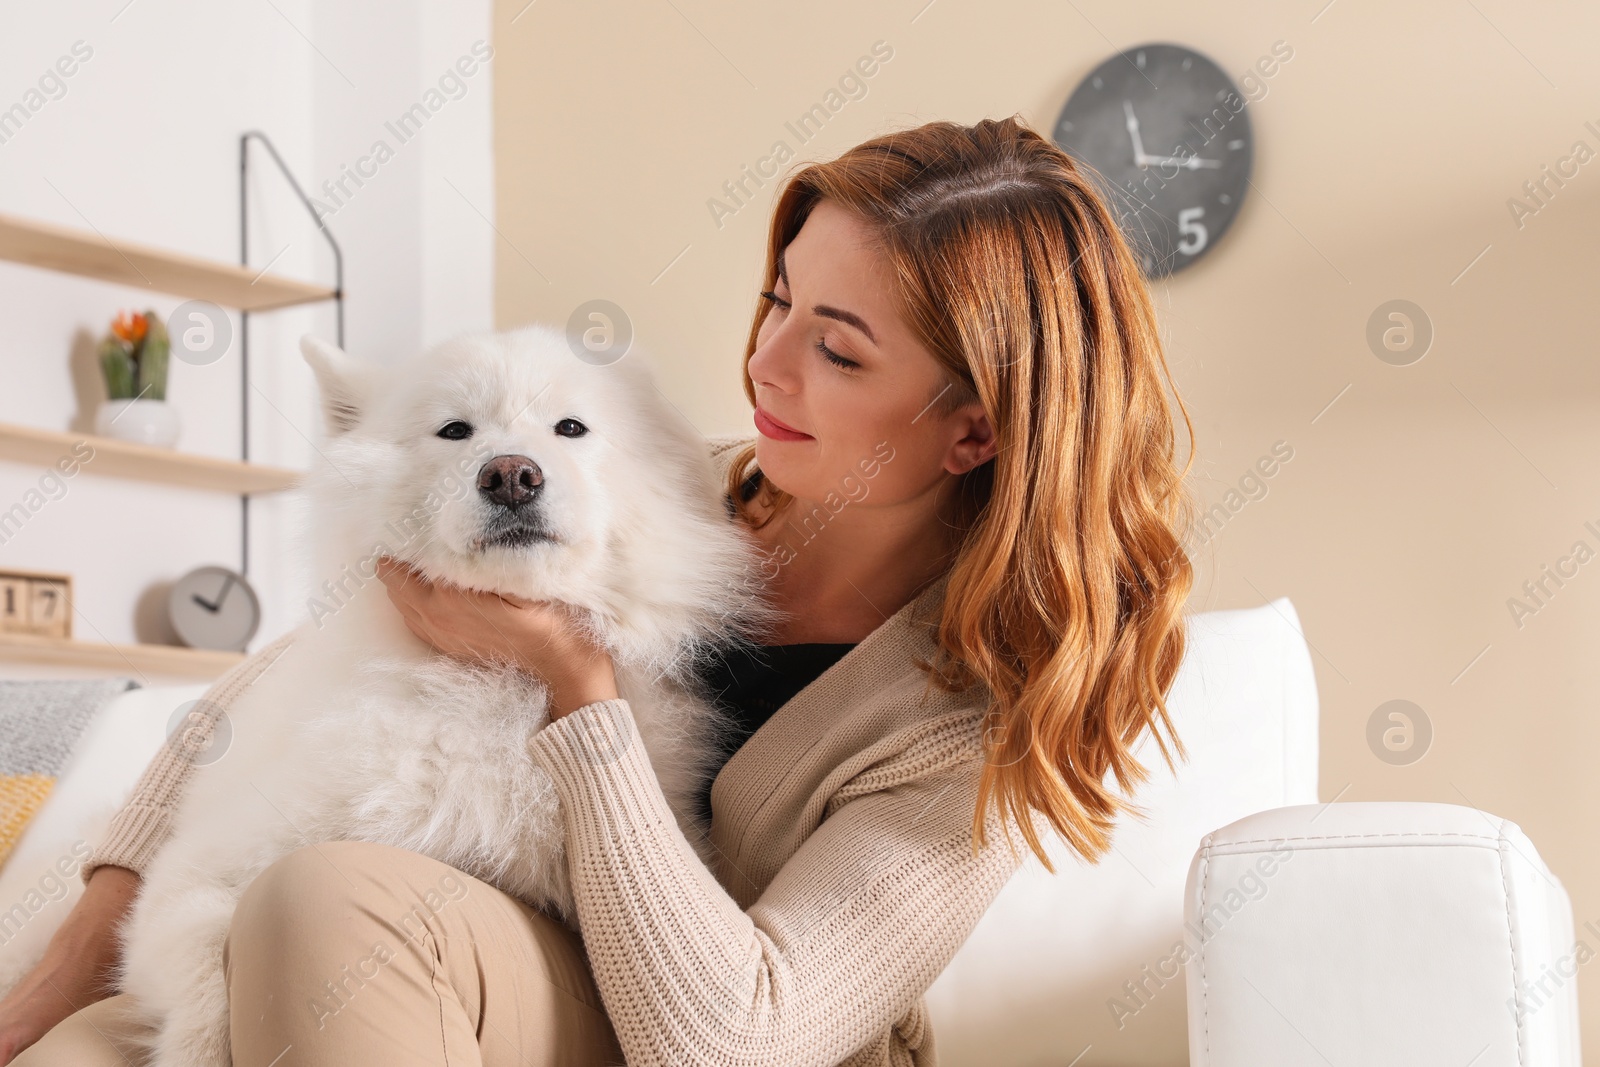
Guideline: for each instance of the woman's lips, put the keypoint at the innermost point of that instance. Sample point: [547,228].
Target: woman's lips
[777,430]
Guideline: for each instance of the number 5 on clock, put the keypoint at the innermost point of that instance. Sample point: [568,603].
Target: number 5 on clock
[1193,231]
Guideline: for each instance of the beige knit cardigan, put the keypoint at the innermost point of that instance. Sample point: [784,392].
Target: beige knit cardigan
[844,880]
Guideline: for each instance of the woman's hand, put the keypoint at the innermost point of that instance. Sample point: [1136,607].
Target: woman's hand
[79,964]
[538,636]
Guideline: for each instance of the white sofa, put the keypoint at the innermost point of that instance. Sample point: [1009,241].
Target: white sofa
[1086,961]
[1036,975]
[1084,967]
[1382,934]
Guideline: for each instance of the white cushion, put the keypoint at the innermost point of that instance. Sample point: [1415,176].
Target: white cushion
[40,883]
[1378,933]
[1043,973]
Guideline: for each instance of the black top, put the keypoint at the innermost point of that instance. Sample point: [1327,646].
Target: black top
[750,682]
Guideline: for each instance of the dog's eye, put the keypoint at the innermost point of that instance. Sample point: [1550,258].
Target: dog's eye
[455,431]
[571,428]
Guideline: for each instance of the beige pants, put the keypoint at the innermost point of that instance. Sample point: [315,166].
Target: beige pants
[351,953]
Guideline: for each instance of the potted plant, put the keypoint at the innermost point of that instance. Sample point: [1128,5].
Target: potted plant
[133,357]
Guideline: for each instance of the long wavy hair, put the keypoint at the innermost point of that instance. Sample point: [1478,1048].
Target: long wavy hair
[1066,593]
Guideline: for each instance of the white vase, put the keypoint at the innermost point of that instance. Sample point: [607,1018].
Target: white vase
[142,420]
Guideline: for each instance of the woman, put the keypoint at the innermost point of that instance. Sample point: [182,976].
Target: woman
[965,483]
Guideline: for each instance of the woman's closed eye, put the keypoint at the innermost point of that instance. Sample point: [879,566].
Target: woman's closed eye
[822,346]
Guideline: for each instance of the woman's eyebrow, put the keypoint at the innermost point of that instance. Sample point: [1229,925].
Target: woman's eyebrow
[838,314]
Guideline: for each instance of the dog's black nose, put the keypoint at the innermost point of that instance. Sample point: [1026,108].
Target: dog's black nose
[510,481]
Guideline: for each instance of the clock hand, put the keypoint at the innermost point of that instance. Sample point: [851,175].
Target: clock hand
[221,596]
[1190,162]
[1133,131]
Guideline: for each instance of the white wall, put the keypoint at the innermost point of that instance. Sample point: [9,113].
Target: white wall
[142,146]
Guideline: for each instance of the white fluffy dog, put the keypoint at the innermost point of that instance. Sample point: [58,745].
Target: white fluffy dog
[499,462]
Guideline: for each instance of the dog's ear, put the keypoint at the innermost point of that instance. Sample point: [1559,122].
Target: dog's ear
[343,381]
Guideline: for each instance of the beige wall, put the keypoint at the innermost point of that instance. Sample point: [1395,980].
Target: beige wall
[1413,508]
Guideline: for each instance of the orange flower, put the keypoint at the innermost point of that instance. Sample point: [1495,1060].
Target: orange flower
[129,327]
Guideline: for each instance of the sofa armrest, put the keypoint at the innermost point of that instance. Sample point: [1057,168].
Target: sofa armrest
[1378,933]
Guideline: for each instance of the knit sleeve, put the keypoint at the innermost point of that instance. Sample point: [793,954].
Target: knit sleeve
[143,823]
[843,943]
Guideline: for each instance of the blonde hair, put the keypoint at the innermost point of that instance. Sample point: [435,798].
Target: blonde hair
[1065,595]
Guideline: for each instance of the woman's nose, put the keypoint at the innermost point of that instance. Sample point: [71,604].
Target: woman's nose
[773,364]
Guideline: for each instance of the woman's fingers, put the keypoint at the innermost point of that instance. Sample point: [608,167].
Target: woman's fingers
[539,636]
[405,592]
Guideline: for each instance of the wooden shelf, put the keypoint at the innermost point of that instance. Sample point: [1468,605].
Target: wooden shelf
[158,659]
[123,459]
[90,255]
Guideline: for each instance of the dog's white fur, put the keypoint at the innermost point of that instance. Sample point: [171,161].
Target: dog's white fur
[362,731]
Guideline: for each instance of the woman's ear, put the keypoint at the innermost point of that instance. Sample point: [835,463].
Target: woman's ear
[343,381]
[977,444]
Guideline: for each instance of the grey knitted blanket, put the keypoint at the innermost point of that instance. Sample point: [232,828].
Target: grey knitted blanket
[40,723]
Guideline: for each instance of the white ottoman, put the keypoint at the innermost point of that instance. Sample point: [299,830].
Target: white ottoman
[1374,934]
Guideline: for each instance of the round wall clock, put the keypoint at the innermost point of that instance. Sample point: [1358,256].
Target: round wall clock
[1169,135]
[214,607]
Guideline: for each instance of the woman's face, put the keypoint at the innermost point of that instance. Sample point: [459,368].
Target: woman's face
[870,432]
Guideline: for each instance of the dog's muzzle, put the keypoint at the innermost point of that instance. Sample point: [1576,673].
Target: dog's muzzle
[511,487]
